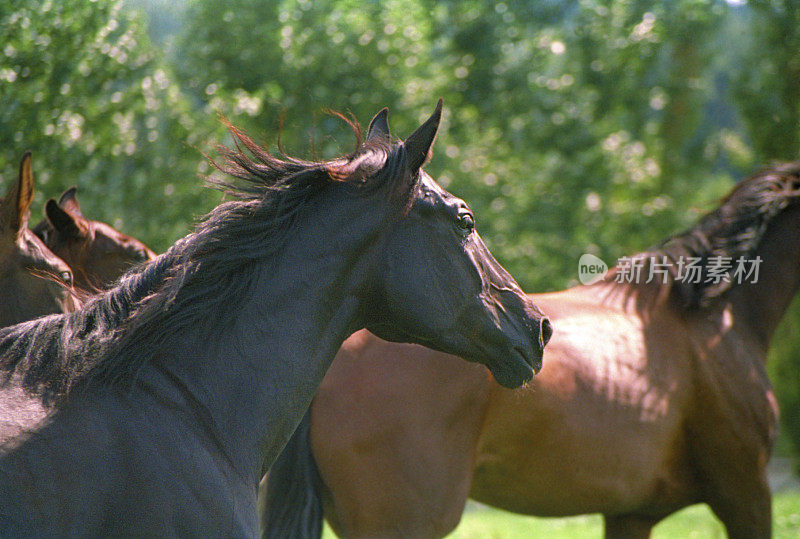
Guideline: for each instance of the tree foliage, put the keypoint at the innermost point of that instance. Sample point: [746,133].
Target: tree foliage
[571,126]
[84,90]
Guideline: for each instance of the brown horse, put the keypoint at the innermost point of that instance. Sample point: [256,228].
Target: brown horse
[653,396]
[97,253]
[33,281]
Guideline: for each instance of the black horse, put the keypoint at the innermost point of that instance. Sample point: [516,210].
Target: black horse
[153,408]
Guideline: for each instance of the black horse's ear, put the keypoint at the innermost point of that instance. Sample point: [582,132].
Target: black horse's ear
[418,144]
[379,126]
[63,221]
[69,201]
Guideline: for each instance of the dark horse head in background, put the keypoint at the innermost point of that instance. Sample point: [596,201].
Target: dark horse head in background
[33,281]
[202,362]
[97,253]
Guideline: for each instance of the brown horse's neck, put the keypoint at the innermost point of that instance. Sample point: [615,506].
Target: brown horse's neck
[762,304]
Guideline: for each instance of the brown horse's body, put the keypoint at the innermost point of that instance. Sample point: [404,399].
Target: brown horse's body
[646,404]
[677,411]
[630,418]
[396,454]
[581,461]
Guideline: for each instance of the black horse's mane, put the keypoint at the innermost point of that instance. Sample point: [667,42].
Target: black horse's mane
[210,270]
[733,230]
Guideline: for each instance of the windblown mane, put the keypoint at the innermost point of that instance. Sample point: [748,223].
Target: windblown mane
[733,230]
[210,270]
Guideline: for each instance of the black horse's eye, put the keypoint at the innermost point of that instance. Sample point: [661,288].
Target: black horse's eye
[466,222]
[66,277]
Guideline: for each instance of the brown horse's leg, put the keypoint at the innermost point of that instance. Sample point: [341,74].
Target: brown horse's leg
[732,478]
[746,511]
[628,526]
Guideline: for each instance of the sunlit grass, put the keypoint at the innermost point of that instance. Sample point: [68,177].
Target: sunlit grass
[693,522]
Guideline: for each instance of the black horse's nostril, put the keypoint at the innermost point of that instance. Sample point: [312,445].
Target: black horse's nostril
[545,331]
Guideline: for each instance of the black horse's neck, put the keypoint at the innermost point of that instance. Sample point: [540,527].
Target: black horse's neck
[256,379]
[762,304]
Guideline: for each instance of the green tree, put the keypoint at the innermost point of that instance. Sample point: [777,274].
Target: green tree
[768,78]
[298,59]
[557,111]
[768,97]
[82,87]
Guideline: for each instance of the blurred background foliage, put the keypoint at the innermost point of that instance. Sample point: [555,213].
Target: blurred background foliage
[570,126]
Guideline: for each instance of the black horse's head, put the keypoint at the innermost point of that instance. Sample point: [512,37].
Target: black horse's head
[436,282]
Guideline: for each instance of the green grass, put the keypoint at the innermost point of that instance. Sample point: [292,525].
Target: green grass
[693,522]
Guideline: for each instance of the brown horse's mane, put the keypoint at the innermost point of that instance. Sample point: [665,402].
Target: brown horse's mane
[733,230]
[117,332]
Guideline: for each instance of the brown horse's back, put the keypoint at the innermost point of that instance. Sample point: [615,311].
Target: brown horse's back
[605,373]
